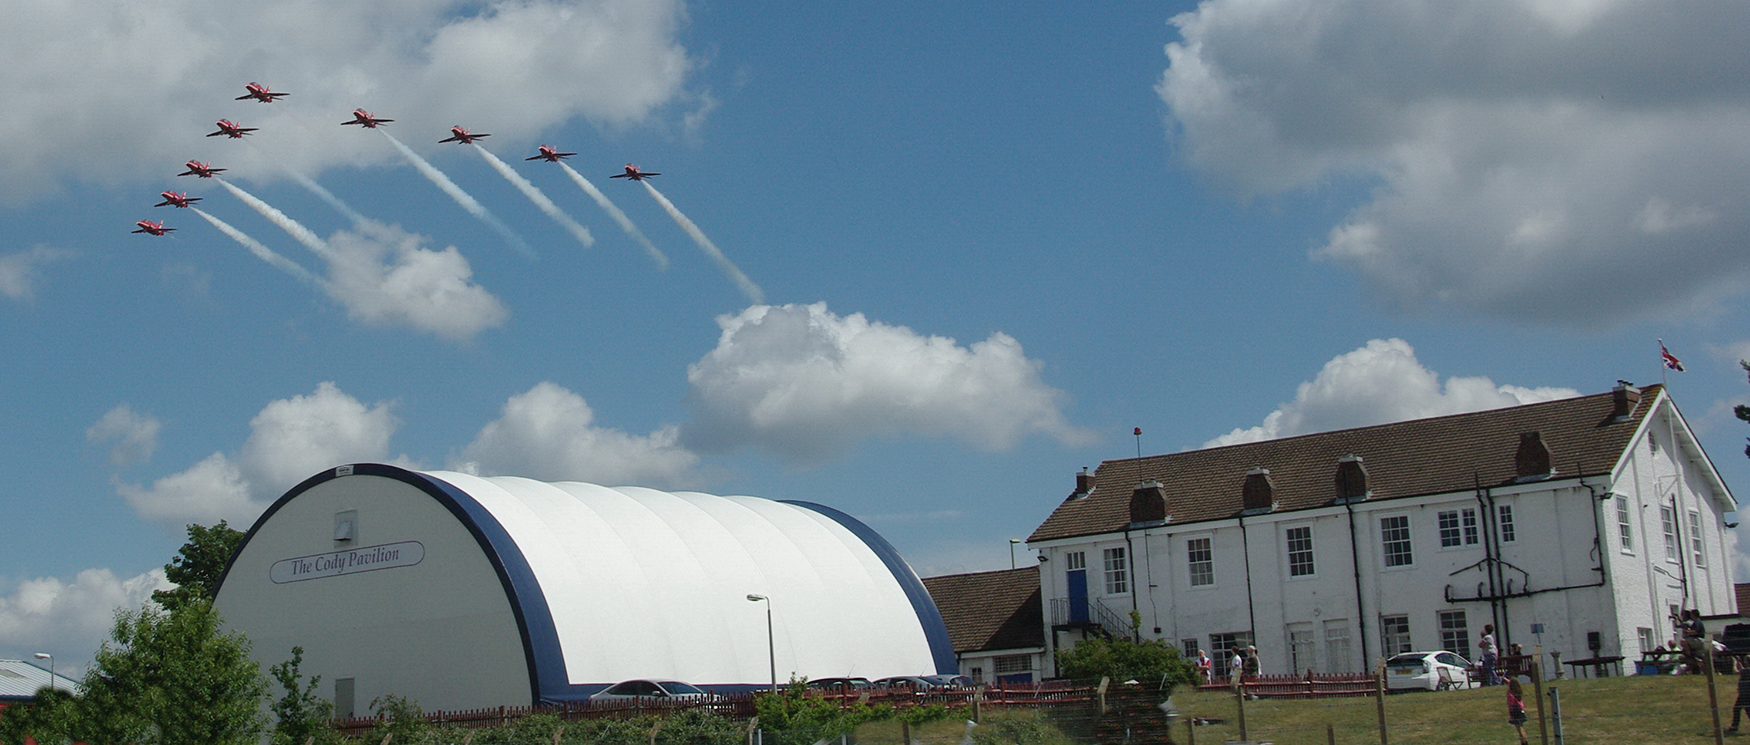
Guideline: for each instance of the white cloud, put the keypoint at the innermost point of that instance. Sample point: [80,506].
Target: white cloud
[135,435]
[548,434]
[69,619]
[1533,158]
[1378,383]
[383,277]
[805,384]
[290,440]
[113,91]
[19,272]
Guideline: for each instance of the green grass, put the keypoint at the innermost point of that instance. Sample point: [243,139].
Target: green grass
[1644,710]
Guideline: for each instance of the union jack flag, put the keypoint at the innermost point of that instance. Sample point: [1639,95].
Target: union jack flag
[1670,359]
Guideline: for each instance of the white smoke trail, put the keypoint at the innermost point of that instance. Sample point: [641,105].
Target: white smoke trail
[297,231]
[263,252]
[449,187]
[748,288]
[579,232]
[328,197]
[619,217]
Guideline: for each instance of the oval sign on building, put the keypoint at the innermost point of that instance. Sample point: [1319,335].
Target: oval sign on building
[349,561]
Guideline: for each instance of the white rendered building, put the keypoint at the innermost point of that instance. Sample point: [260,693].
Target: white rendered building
[459,591]
[1579,525]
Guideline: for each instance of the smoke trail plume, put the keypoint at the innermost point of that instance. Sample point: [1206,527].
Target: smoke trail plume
[449,187]
[619,217]
[579,232]
[263,252]
[297,231]
[748,288]
[328,197]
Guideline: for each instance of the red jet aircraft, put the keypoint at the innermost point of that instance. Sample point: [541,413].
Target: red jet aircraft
[176,199]
[197,168]
[153,228]
[231,129]
[360,116]
[633,173]
[260,93]
[459,134]
[550,154]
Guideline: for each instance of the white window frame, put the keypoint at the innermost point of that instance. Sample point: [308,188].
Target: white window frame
[1406,642]
[1625,527]
[1312,567]
[1668,524]
[1074,560]
[1303,654]
[1506,527]
[1192,563]
[1116,563]
[1454,627]
[1407,539]
[1697,549]
[1337,646]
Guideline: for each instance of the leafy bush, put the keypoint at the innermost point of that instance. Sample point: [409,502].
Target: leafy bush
[1149,662]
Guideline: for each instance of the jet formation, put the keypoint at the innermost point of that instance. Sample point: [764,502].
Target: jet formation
[197,168]
[367,119]
[152,228]
[176,199]
[260,93]
[634,174]
[231,129]
[549,154]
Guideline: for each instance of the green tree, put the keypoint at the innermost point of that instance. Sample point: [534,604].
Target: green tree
[47,720]
[171,677]
[1149,662]
[197,567]
[399,716]
[796,716]
[301,714]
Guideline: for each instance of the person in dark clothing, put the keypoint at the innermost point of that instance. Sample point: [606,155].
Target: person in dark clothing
[1516,708]
[1743,701]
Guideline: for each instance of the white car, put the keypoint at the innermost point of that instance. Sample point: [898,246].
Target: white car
[1427,671]
[658,689]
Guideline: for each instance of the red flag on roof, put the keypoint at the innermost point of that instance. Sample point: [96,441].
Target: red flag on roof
[1671,360]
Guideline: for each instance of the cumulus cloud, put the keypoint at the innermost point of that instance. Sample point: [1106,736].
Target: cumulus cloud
[135,435]
[548,434]
[289,440]
[114,91]
[1378,383]
[1532,157]
[69,619]
[805,383]
[19,272]
[383,277]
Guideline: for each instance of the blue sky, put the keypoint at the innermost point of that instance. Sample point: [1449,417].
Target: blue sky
[992,239]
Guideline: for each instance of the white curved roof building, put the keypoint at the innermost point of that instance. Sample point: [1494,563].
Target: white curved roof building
[460,591]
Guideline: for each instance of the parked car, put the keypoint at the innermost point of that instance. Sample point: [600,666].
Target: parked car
[835,684]
[914,682]
[1429,671]
[663,689]
[949,681]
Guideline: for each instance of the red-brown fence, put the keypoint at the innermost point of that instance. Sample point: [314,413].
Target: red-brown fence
[1307,685]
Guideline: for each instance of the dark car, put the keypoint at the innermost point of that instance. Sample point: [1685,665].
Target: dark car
[664,689]
[839,684]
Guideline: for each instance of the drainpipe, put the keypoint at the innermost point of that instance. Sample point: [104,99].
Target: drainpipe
[1135,612]
[1355,560]
[1246,550]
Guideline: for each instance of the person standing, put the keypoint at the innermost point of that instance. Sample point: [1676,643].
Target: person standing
[1236,664]
[1516,708]
[1695,646]
[1743,701]
[1205,666]
[1252,664]
[1490,658]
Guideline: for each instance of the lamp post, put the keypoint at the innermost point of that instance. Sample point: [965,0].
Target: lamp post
[771,648]
[1012,542]
[51,659]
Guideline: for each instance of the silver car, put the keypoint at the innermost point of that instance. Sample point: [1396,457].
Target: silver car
[661,689]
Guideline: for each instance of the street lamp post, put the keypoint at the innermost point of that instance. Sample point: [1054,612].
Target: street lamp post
[51,659]
[771,648]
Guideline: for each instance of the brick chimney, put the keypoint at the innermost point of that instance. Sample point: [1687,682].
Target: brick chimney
[1351,479]
[1624,399]
[1532,460]
[1258,494]
[1148,504]
[1084,485]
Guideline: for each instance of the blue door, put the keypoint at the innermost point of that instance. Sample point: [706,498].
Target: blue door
[1078,596]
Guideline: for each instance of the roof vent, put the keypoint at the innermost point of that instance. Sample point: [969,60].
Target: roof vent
[1258,495]
[1532,462]
[1351,479]
[1084,485]
[1148,504]
[1624,399]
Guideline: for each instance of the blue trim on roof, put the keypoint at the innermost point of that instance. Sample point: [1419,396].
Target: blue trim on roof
[935,631]
[548,680]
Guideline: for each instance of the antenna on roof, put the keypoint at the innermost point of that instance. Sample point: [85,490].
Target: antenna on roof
[1138,433]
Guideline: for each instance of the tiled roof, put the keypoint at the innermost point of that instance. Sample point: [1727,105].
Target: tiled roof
[20,680]
[987,611]
[1403,459]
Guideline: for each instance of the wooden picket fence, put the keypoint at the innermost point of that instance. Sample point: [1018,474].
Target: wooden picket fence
[1306,685]
[741,705]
